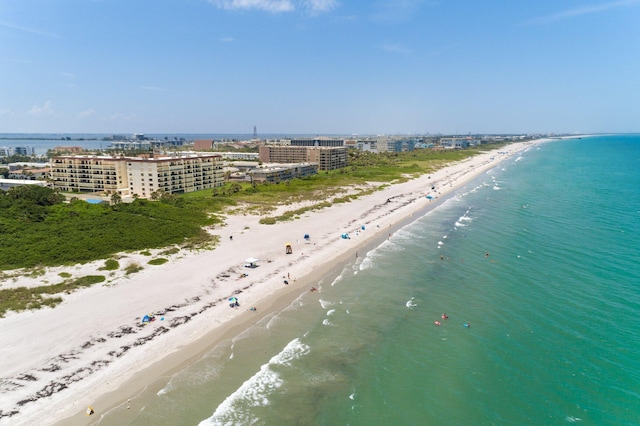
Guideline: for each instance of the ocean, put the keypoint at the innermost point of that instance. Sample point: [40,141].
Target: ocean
[536,264]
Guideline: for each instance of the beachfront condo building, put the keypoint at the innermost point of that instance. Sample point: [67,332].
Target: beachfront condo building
[327,158]
[141,176]
[282,172]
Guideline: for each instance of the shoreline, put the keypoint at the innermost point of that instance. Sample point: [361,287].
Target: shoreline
[203,279]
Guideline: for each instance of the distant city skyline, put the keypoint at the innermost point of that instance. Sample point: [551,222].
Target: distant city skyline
[322,67]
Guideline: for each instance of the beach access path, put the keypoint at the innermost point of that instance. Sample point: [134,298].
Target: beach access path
[92,349]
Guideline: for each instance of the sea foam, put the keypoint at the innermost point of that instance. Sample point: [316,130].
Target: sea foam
[255,391]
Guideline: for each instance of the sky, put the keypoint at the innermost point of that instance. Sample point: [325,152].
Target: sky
[320,66]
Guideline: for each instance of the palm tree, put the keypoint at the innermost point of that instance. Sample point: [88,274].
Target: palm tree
[116,199]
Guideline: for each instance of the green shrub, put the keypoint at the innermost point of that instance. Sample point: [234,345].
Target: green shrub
[22,298]
[87,281]
[132,268]
[158,261]
[169,252]
[110,265]
[64,275]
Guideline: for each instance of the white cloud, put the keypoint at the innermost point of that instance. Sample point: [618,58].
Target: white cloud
[317,6]
[227,39]
[118,116]
[578,11]
[277,6]
[87,113]
[46,110]
[274,6]
[68,74]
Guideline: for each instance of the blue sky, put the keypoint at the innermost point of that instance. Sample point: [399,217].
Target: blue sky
[319,66]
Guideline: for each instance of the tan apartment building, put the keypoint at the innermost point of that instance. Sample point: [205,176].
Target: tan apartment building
[83,173]
[327,158]
[136,175]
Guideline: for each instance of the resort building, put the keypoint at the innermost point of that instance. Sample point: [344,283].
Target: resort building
[68,149]
[319,141]
[35,173]
[240,156]
[327,158]
[282,172]
[136,175]
[454,143]
[5,184]
[203,144]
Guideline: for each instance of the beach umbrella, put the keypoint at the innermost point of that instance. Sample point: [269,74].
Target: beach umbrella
[429,197]
[233,299]
[251,260]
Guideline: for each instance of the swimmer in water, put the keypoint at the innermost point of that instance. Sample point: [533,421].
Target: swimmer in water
[445,316]
[437,323]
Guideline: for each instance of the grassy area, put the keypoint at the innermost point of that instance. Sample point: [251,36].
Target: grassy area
[158,261]
[51,233]
[22,298]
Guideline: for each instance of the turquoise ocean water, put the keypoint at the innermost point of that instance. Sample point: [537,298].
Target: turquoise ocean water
[554,310]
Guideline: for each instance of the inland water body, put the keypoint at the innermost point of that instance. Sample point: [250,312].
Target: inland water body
[540,255]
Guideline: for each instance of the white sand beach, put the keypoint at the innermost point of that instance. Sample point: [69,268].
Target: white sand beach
[92,350]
